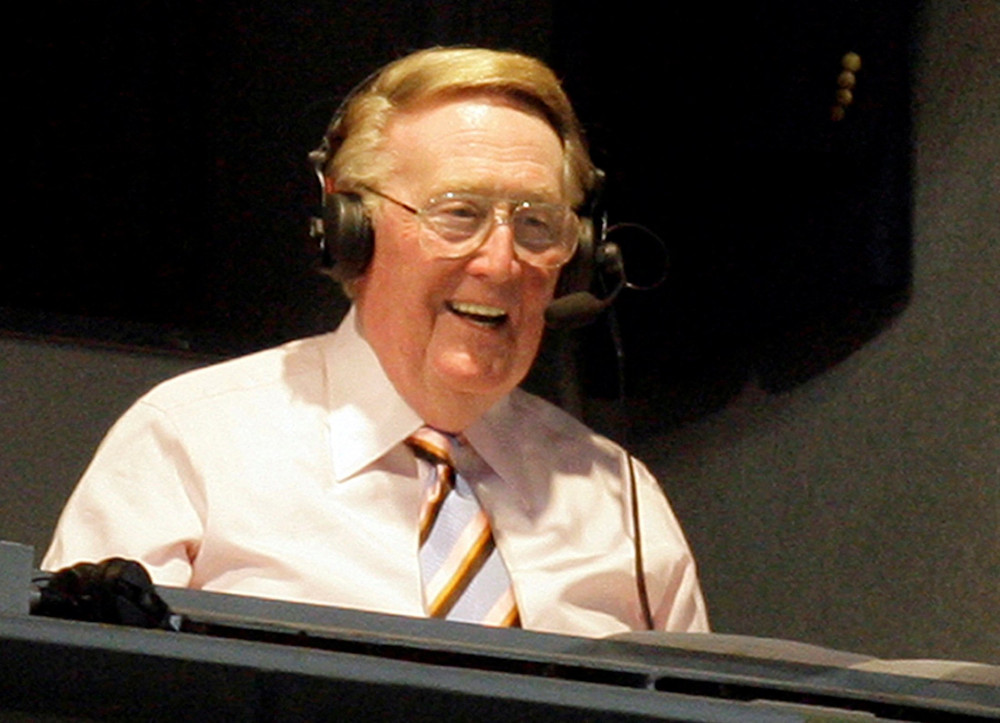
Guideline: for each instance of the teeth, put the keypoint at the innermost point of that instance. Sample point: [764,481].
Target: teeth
[478,312]
[465,307]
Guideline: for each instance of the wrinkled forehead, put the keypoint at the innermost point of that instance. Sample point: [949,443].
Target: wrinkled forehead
[486,143]
[501,130]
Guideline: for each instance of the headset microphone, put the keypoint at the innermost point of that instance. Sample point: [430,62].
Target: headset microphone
[582,307]
[608,261]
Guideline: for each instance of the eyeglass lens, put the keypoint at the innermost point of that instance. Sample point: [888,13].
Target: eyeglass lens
[544,234]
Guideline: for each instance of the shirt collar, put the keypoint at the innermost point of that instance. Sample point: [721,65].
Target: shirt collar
[367,416]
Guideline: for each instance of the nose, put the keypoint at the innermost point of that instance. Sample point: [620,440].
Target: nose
[496,258]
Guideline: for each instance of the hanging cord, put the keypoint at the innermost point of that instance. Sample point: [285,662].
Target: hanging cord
[642,591]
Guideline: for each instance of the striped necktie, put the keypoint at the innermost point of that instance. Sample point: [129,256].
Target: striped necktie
[464,577]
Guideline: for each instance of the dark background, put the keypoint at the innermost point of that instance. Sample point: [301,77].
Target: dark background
[162,192]
[857,510]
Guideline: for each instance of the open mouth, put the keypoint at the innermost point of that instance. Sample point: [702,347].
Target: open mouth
[479,313]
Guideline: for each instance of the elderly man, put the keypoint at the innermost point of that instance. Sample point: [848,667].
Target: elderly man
[392,465]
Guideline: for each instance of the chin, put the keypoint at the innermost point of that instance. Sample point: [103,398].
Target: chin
[478,380]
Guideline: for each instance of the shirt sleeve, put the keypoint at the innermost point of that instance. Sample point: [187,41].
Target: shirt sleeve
[675,598]
[139,499]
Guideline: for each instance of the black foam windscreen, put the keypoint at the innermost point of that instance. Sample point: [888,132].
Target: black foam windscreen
[115,590]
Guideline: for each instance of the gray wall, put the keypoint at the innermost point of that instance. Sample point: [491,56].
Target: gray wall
[56,403]
[861,511]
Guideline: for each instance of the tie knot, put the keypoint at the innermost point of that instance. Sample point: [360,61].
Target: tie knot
[432,445]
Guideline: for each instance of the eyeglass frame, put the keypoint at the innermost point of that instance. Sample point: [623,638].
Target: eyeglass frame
[513,207]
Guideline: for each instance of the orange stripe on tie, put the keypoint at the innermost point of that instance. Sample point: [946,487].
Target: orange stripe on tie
[460,578]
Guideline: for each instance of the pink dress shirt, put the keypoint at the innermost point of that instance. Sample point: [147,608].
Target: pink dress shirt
[284,475]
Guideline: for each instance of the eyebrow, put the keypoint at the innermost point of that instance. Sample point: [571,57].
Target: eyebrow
[551,196]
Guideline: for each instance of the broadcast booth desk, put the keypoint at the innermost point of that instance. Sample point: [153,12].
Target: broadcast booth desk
[238,658]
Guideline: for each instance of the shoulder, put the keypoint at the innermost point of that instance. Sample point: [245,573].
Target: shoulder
[533,417]
[296,364]
[528,440]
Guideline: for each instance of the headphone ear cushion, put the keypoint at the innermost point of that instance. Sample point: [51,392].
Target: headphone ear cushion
[348,238]
[578,273]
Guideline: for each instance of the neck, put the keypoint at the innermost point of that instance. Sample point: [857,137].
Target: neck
[440,406]
[449,415]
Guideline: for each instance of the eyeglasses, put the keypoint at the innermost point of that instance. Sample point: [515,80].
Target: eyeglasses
[455,225]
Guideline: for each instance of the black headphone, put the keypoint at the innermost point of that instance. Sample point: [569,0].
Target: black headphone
[347,239]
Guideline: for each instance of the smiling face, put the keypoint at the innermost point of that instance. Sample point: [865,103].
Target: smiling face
[455,335]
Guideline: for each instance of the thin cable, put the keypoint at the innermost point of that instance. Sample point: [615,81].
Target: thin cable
[640,570]
[642,591]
